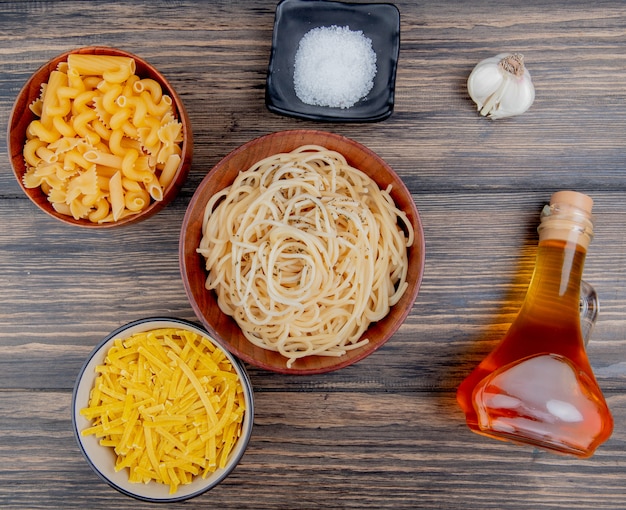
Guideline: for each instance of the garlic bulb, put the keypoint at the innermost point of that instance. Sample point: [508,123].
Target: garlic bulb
[501,86]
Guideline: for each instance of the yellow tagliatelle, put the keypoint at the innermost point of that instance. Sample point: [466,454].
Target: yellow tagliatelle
[305,251]
[96,115]
[169,403]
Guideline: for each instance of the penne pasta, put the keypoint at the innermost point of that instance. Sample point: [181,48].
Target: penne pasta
[154,188]
[103,158]
[113,69]
[169,170]
[116,195]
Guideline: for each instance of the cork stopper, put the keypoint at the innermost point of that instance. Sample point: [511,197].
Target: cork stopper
[568,218]
[573,198]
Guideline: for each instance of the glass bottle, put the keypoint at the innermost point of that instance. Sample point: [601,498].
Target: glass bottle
[537,386]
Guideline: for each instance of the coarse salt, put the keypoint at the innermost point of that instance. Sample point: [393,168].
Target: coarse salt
[334,66]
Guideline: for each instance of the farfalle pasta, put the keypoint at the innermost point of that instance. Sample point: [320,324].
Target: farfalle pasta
[106,142]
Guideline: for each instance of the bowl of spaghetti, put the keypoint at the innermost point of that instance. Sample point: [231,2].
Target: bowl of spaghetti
[302,252]
[160,411]
[98,138]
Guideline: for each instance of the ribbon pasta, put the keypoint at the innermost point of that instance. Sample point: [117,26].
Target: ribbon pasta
[97,119]
[305,252]
[169,403]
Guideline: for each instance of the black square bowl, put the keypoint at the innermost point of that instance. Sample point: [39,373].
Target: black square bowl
[380,22]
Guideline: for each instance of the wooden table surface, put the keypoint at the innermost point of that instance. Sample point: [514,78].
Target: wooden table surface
[385,432]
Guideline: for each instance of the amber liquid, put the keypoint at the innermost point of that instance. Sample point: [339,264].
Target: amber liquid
[537,387]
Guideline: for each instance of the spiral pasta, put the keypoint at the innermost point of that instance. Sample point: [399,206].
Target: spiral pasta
[305,252]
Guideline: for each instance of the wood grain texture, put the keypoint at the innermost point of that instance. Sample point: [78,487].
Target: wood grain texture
[386,432]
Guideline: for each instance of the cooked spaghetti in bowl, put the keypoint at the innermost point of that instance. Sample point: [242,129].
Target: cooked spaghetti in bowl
[302,251]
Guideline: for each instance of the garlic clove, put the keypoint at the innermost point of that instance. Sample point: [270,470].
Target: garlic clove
[515,101]
[483,82]
[501,86]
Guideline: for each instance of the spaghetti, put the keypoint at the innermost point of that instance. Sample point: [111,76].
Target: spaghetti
[305,252]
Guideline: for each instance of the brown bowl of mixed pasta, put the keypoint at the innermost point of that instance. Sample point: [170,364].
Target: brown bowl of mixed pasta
[302,252]
[98,138]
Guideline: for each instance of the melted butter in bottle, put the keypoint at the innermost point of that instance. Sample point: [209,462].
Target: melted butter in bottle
[537,386]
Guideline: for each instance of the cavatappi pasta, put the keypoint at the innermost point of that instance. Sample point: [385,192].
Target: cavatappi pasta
[106,142]
[169,403]
[305,252]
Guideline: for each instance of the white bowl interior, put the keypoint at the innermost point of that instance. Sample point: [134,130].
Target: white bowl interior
[102,459]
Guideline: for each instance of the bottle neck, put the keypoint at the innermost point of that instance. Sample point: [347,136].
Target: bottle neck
[555,284]
[565,233]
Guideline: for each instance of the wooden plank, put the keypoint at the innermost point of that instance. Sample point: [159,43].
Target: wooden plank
[386,432]
[398,450]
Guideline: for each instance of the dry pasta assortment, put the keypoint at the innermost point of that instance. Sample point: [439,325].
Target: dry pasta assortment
[169,403]
[305,252]
[106,142]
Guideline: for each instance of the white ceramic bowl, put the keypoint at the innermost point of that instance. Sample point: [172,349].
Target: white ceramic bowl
[102,458]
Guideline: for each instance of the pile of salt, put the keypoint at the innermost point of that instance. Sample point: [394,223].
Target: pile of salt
[334,67]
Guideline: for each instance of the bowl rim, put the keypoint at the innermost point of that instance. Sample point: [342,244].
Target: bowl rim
[343,361]
[146,324]
[16,119]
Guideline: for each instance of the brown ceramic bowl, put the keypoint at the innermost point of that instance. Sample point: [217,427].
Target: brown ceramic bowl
[21,116]
[222,327]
